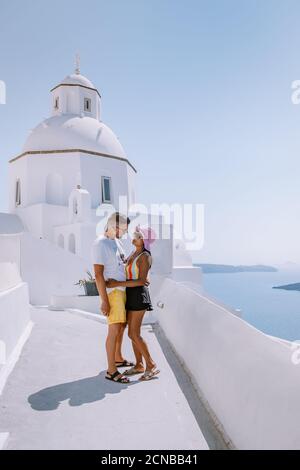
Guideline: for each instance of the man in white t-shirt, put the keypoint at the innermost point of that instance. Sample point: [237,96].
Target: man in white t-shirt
[108,260]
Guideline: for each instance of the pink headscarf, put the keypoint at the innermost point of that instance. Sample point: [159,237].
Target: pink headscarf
[148,234]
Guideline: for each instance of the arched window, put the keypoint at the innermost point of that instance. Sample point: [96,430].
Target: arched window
[56,103]
[72,245]
[75,206]
[61,240]
[106,189]
[18,193]
[87,105]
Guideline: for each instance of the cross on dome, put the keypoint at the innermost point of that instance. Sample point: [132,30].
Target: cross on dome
[77,64]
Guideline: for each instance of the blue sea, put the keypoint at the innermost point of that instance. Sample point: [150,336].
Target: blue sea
[273,311]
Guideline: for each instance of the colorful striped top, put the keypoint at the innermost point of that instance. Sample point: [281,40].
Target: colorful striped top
[132,269]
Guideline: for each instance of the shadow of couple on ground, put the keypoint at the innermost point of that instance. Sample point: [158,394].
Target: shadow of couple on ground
[77,393]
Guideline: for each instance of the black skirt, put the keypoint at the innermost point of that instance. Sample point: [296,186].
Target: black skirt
[138,298]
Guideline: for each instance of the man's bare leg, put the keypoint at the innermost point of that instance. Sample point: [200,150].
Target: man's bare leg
[111,343]
[118,356]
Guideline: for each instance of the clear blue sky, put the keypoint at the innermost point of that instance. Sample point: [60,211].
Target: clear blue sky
[197,91]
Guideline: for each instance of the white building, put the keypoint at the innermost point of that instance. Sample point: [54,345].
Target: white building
[71,164]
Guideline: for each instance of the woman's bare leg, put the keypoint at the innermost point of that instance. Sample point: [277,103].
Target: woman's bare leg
[138,357]
[139,365]
[134,332]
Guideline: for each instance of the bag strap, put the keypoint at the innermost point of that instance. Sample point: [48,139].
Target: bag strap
[120,250]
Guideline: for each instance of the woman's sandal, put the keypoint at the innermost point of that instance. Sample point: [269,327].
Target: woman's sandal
[149,374]
[133,371]
[117,377]
[124,363]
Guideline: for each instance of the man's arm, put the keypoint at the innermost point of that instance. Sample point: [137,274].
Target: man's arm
[144,267]
[101,286]
[129,283]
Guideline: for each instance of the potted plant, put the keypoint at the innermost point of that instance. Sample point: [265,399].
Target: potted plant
[89,285]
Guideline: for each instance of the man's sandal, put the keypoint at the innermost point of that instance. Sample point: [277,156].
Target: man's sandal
[117,377]
[124,363]
[149,374]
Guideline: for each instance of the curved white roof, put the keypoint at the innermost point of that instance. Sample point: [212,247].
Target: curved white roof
[77,79]
[70,131]
[10,223]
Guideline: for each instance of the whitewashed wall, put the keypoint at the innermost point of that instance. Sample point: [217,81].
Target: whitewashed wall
[15,324]
[84,235]
[93,167]
[34,172]
[51,177]
[18,170]
[132,182]
[248,378]
[49,270]
[40,219]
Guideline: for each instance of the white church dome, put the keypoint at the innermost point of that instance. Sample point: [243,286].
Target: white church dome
[77,79]
[70,131]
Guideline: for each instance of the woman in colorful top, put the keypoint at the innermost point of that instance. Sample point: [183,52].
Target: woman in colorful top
[138,300]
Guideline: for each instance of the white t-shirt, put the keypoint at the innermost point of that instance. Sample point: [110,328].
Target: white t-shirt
[106,252]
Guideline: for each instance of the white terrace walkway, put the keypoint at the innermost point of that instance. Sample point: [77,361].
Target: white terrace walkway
[57,397]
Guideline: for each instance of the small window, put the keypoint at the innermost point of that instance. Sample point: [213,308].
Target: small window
[56,103]
[18,193]
[106,189]
[72,243]
[87,105]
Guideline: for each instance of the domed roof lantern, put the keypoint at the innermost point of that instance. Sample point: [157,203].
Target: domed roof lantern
[76,94]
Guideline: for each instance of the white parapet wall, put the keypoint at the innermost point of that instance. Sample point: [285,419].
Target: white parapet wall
[15,324]
[248,379]
[9,251]
[87,303]
[191,274]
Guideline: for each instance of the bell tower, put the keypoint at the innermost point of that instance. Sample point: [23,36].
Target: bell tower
[79,205]
[76,95]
